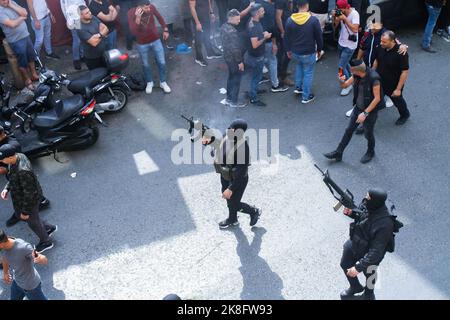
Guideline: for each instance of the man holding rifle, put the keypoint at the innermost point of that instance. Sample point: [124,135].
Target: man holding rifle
[371,236]
[232,158]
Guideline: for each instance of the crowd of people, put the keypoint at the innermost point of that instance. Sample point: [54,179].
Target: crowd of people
[256,35]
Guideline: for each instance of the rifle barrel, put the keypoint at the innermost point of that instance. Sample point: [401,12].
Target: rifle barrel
[318,168]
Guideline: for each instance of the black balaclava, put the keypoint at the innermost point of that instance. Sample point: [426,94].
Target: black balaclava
[239,126]
[377,199]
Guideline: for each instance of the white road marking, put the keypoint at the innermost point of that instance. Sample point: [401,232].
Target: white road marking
[144,163]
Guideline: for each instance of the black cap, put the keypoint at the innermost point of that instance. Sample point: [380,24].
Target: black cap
[238,124]
[356,62]
[7,151]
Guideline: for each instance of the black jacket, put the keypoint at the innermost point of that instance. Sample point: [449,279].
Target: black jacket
[232,45]
[23,185]
[371,233]
[373,77]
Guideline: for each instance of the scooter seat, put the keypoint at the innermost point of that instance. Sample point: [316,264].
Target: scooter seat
[89,79]
[63,110]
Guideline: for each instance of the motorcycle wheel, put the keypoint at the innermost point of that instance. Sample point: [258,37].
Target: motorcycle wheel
[27,125]
[121,96]
[85,144]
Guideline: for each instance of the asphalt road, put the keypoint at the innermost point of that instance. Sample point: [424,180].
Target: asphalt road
[132,225]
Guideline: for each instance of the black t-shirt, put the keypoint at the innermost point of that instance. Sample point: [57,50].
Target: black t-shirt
[268,21]
[391,64]
[86,31]
[319,6]
[202,9]
[256,30]
[286,6]
[96,8]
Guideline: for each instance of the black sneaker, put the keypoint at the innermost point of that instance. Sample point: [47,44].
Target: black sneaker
[366,296]
[52,56]
[350,293]
[44,246]
[429,49]
[258,103]
[401,121]
[45,203]
[12,220]
[77,64]
[201,62]
[335,155]
[255,217]
[311,98]
[280,88]
[52,230]
[367,157]
[298,90]
[227,223]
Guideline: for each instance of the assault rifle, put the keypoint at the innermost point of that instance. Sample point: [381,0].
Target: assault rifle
[344,198]
[195,124]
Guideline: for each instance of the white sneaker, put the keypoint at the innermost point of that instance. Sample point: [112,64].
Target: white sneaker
[165,87]
[149,88]
[346,91]
[389,102]
[348,114]
[265,70]
[322,53]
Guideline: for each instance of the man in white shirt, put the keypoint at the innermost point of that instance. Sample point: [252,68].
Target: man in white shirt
[71,11]
[348,18]
[42,20]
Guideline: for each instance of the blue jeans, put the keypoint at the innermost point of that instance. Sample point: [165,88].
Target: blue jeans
[24,51]
[345,56]
[433,15]
[17,293]
[304,72]
[157,48]
[43,35]
[77,48]
[111,41]
[233,82]
[272,63]
[257,64]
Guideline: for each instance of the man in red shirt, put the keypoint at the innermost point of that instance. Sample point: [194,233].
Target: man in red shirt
[141,20]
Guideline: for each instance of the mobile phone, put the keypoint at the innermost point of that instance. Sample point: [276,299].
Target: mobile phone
[341,72]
